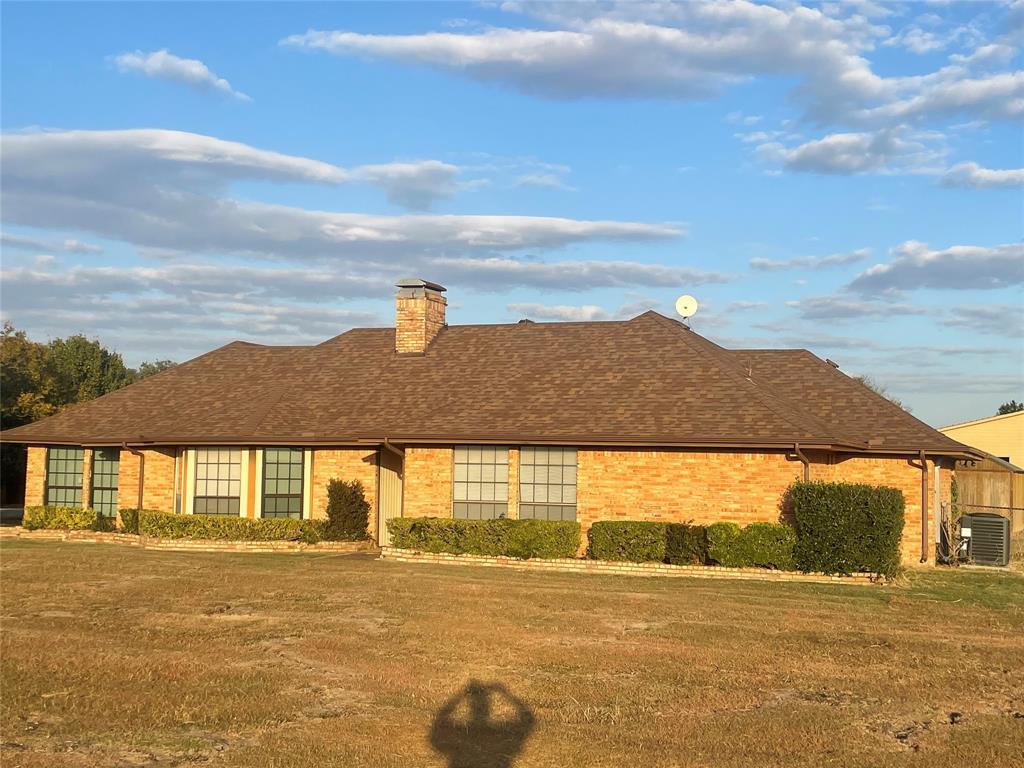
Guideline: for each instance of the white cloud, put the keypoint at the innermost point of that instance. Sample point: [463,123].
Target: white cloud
[844,308]
[496,273]
[197,162]
[562,312]
[999,320]
[69,245]
[696,50]
[810,262]
[165,65]
[884,151]
[960,267]
[975,176]
[543,181]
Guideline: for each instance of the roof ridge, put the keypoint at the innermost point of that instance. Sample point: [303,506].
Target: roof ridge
[786,412]
[993,417]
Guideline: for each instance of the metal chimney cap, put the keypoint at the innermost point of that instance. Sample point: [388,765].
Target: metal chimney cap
[415,282]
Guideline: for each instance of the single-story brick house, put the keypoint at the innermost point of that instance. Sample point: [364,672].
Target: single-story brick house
[637,419]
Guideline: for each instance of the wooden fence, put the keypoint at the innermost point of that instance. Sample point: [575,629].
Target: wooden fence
[987,486]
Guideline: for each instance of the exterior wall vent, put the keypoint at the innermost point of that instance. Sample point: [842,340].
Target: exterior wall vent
[988,538]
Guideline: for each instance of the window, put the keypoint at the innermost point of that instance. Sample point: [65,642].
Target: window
[547,483]
[282,482]
[64,476]
[480,489]
[105,465]
[218,481]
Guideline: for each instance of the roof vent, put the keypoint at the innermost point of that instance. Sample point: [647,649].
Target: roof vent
[833,363]
[525,321]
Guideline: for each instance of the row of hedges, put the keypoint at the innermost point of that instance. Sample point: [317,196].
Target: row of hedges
[837,528]
[65,518]
[765,545]
[513,538]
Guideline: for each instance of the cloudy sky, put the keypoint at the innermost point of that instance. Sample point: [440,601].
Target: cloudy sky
[845,177]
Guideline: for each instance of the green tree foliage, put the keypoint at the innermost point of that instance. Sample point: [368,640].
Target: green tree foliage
[1011,407]
[38,380]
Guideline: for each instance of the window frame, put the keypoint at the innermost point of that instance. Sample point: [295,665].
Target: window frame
[76,490]
[196,497]
[480,508]
[543,509]
[264,478]
[94,486]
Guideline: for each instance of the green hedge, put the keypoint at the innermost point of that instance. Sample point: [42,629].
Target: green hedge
[514,538]
[760,545]
[847,528]
[631,541]
[348,511]
[64,518]
[164,525]
[686,544]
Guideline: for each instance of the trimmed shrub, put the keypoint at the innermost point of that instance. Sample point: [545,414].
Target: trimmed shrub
[313,531]
[686,544]
[166,525]
[847,528]
[130,520]
[348,511]
[758,545]
[514,538]
[631,541]
[722,545]
[61,518]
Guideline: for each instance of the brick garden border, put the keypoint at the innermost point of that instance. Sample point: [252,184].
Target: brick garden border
[572,565]
[185,545]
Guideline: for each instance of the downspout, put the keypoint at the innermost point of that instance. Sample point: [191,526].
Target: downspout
[142,470]
[397,451]
[923,466]
[803,460]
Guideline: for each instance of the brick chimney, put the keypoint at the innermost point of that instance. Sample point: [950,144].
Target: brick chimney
[419,314]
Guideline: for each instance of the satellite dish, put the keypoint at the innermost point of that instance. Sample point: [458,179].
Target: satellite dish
[686,306]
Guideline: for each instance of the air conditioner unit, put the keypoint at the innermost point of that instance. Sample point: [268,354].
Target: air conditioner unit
[988,538]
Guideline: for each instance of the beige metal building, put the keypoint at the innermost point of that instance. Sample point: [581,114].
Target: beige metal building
[1000,436]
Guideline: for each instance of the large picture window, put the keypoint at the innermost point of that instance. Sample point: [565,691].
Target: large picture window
[218,481]
[282,482]
[64,476]
[547,483]
[106,463]
[480,487]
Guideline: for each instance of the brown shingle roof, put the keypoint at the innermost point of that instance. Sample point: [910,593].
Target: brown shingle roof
[645,381]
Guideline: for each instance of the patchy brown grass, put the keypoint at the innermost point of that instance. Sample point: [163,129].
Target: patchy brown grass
[118,657]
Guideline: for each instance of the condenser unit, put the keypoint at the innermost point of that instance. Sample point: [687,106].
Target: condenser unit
[988,538]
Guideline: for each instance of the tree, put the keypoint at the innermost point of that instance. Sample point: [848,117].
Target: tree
[37,380]
[880,389]
[1011,407]
[149,368]
[84,369]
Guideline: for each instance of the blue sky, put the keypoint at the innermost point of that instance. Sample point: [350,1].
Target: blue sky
[845,177]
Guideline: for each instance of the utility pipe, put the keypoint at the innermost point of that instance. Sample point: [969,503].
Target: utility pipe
[803,460]
[397,451]
[923,466]
[142,470]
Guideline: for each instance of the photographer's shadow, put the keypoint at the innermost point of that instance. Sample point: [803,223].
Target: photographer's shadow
[482,726]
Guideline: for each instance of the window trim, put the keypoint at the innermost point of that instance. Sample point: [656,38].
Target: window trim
[192,478]
[261,494]
[496,503]
[560,504]
[93,487]
[81,474]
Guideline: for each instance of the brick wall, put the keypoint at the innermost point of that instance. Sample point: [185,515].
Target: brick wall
[418,320]
[427,484]
[158,490]
[35,476]
[344,464]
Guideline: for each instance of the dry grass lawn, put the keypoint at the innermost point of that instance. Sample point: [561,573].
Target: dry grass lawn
[118,657]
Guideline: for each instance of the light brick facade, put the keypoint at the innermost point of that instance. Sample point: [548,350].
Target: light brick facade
[615,484]
[427,482]
[35,476]
[344,464]
[418,320]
